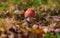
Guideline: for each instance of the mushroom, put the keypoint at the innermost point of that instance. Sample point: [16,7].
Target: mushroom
[29,13]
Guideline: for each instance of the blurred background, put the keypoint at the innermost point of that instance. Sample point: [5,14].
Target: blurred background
[47,18]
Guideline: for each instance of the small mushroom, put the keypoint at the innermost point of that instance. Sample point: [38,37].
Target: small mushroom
[29,13]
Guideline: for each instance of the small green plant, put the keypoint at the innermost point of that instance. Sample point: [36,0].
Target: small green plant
[47,35]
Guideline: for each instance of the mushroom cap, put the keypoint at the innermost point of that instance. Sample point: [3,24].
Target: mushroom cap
[29,13]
